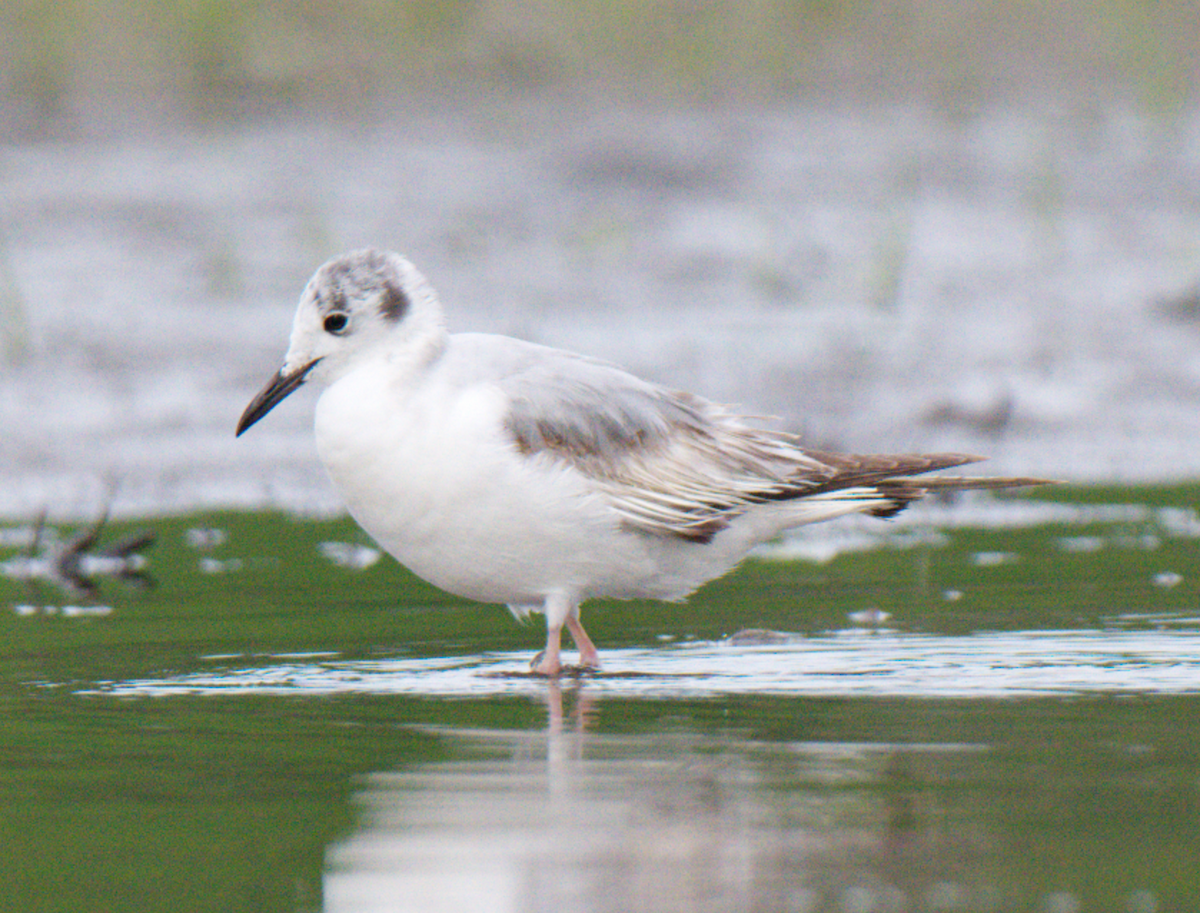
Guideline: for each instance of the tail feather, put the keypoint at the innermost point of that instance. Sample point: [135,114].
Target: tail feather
[853,470]
[968,483]
[902,492]
[848,466]
[899,479]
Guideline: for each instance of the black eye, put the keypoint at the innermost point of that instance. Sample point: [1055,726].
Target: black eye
[336,323]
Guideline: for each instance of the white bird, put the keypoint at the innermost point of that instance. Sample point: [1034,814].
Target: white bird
[509,472]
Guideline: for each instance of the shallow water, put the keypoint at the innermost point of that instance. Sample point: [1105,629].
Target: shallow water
[270,716]
[852,663]
[683,819]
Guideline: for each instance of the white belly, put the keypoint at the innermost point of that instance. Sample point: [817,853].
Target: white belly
[435,481]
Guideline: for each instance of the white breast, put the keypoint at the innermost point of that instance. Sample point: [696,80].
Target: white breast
[428,470]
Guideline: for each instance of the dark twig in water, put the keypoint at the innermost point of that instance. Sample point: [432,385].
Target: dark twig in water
[74,564]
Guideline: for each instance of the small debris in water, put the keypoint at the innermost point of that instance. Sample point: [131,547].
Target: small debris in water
[349,555]
[74,563]
[205,538]
[759,637]
[1080,544]
[992,559]
[1167,579]
[871,616]
[26,610]
[217,566]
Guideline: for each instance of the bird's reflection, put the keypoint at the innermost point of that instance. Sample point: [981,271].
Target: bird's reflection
[592,813]
[581,708]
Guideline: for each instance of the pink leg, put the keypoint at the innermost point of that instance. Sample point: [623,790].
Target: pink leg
[560,609]
[589,656]
[548,662]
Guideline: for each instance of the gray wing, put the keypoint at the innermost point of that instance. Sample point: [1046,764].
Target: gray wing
[674,464]
[669,463]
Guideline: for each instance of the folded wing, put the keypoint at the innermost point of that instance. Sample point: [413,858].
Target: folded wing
[677,465]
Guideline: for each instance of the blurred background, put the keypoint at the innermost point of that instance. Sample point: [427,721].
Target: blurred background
[895,225]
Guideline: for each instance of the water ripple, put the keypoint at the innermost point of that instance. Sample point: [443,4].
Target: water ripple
[850,663]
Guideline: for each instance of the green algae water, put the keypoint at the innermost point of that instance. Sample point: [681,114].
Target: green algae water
[997,713]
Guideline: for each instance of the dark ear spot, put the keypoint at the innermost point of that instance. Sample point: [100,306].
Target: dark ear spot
[394,304]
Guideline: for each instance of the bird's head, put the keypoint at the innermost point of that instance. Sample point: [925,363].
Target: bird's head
[362,304]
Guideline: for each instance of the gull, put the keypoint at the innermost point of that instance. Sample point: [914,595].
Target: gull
[508,472]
